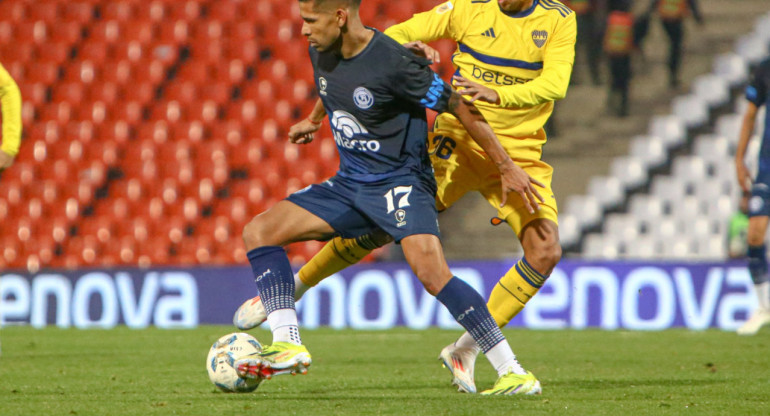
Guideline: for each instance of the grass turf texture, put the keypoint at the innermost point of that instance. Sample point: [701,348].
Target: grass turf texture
[162,372]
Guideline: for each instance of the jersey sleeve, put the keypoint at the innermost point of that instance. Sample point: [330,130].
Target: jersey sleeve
[756,91]
[427,26]
[10,97]
[416,83]
[552,83]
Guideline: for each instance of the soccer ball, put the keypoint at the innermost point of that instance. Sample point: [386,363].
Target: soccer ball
[222,356]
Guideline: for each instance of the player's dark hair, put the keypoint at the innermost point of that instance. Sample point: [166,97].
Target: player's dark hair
[320,3]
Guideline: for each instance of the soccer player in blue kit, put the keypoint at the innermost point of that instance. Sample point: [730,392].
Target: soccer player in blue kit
[374,92]
[758,95]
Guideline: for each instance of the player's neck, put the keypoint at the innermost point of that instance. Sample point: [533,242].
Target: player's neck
[355,39]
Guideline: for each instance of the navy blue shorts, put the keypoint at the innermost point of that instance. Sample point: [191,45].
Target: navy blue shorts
[401,206]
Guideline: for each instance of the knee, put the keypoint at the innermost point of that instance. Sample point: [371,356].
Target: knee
[432,275]
[254,233]
[545,258]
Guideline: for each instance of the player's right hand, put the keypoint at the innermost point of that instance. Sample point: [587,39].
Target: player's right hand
[6,160]
[744,177]
[302,132]
[421,49]
[515,179]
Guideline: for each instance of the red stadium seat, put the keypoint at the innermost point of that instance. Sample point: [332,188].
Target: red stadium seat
[41,73]
[77,11]
[218,92]
[108,92]
[61,113]
[206,111]
[53,53]
[12,11]
[116,132]
[183,91]
[186,10]
[19,52]
[117,10]
[149,71]
[34,93]
[67,32]
[68,91]
[222,10]
[241,30]
[81,71]
[93,50]
[175,33]
[117,71]
[246,50]
[154,11]
[143,92]
[107,30]
[79,130]
[230,72]
[36,32]
[132,51]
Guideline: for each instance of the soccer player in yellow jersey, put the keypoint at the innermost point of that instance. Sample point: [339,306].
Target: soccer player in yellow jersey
[513,59]
[10,98]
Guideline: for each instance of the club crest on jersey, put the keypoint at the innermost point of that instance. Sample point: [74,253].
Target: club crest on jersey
[363,98]
[322,85]
[400,217]
[539,37]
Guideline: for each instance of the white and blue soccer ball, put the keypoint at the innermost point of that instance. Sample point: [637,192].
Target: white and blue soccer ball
[223,354]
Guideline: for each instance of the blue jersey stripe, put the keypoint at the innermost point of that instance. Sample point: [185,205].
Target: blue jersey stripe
[494,60]
[548,5]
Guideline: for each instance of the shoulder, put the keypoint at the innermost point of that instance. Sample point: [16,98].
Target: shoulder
[395,54]
[555,9]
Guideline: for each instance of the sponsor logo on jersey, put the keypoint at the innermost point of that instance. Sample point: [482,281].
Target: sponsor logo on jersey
[445,7]
[345,127]
[496,77]
[539,37]
[400,218]
[322,85]
[490,33]
[363,98]
[436,88]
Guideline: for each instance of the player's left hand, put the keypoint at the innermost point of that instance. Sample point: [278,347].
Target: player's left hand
[476,91]
[515,179]
[302,132]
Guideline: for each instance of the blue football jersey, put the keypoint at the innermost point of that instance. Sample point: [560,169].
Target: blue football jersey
[757,92]
[376,105]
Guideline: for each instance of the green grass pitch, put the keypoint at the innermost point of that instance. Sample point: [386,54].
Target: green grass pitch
[162,372]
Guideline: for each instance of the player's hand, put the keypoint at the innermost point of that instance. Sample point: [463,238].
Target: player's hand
[421,49]
[744,177]
[302,132]
[6,160]
[515,179]
[476,91]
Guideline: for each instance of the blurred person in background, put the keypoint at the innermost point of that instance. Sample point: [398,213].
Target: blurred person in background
[758,95]
[589,18]
[672,14]
[10,99]
[618,45]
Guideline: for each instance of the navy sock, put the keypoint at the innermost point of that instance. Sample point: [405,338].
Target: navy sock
[758,263]
[470,311]
[273,276]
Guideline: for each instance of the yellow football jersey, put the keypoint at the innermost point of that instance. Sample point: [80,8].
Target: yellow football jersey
[525,57]
[10,97]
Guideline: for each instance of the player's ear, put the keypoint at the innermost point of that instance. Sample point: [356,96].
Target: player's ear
[341,15]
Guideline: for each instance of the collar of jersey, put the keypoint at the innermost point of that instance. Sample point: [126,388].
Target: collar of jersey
[524,13]
[369,45]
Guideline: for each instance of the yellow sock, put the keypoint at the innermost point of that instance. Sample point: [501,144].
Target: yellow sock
[336,255]
[513,291]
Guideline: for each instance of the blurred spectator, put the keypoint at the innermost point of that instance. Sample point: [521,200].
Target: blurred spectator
[672,13]
[737,232]
[618,45]
[589,35]
[10,98]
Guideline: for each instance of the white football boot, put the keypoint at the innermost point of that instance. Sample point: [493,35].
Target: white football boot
[760,318]
[250,314]
[460,362]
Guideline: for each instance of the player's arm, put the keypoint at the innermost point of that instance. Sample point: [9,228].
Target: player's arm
[427,26]
[513,177]
[10,97]
[756,94]
[302,132]
[747,130]
[553,81]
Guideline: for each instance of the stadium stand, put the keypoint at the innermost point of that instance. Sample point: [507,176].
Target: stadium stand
[153,130]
